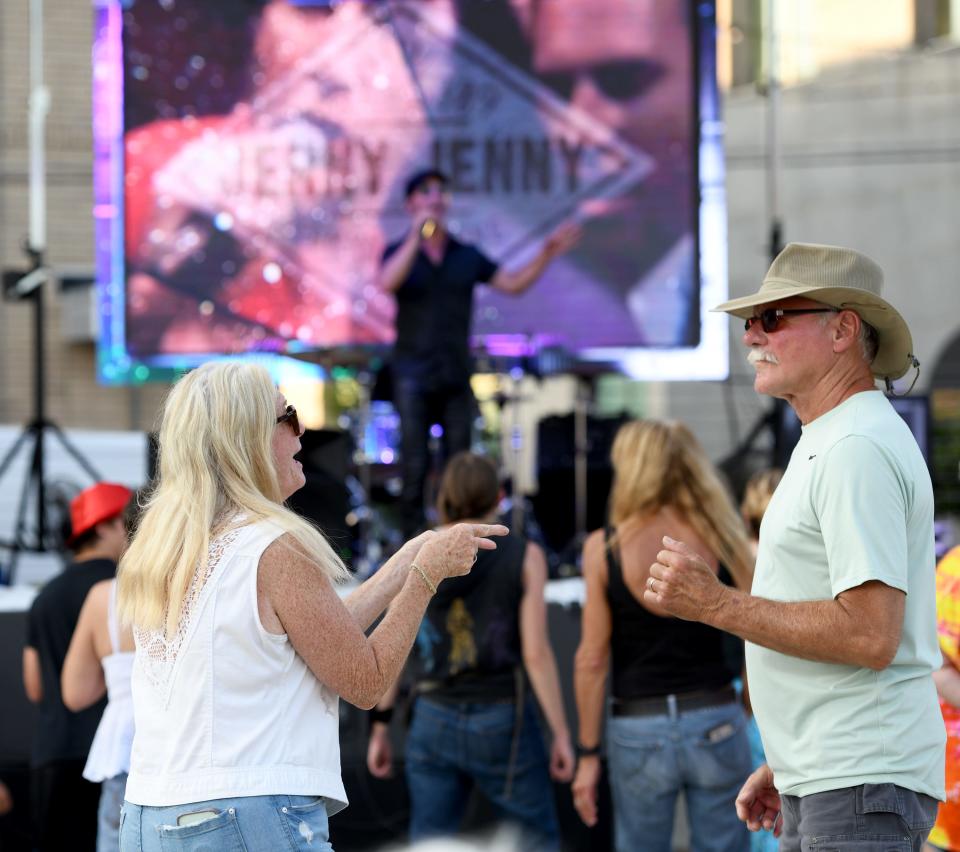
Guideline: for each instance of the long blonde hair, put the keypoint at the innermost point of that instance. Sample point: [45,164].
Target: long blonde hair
[659,465]
[215,459]
[756,497]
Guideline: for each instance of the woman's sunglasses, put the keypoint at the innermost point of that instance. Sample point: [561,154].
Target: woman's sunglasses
[770,317]
[290,416]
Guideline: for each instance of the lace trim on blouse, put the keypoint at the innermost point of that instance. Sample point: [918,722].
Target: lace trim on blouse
[157,655]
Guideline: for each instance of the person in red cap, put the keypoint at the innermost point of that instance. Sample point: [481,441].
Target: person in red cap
[64,803]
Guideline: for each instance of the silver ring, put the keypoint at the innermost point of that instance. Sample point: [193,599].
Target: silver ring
[474,557]
[650,582]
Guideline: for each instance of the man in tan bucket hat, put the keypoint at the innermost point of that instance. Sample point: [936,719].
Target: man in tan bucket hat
[840,624]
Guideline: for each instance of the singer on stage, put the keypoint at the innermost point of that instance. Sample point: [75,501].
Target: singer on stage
[432,276]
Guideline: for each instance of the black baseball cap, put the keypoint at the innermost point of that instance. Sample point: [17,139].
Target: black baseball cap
[418,179]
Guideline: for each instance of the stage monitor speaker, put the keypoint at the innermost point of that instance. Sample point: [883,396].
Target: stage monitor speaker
[555,502]
[556,441]
[328,451]
[325,498]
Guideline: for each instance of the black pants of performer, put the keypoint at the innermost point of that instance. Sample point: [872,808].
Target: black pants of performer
[454,409]
[64,806]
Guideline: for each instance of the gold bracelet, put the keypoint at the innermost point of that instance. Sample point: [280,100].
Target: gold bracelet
[430,585]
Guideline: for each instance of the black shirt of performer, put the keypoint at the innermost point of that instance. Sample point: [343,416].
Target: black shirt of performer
[432,364]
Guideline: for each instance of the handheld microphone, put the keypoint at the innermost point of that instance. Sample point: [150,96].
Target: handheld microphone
[428,229]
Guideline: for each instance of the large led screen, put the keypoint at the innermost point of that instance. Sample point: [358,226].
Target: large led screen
[251,158]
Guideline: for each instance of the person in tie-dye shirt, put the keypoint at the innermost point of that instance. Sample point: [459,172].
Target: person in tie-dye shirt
[946,832]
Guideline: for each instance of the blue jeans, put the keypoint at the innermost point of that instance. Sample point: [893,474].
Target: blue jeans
[245,824]
[451,747]
[705,753]
[108,814]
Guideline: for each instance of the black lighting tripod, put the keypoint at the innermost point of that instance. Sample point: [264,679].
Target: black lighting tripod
[30,285]
[41,538]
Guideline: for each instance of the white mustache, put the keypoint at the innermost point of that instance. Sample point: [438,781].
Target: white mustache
[755,356]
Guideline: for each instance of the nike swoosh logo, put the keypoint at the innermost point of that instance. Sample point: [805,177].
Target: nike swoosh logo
[812,457]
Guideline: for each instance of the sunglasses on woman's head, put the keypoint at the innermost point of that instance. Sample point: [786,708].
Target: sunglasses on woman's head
[769,318]
[290,416]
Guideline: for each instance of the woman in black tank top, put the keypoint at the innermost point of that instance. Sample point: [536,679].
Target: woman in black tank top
[483,648]
[674,723]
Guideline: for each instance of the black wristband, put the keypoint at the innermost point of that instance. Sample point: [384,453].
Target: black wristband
[585,751]
[376,715]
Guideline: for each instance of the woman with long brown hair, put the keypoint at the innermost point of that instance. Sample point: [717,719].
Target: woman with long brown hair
[484,655]
[675,723]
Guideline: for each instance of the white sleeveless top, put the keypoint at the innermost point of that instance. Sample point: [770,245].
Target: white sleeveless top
[110,751]
[224,708]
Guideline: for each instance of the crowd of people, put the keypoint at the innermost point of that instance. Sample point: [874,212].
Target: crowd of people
[224,645]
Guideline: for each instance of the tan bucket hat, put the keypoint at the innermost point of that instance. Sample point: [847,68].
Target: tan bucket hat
[842,278]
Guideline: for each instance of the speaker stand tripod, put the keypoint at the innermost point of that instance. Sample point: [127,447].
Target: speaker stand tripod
[31,286]
[42,539]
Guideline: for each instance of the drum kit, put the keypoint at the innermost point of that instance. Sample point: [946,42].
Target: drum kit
[501,430]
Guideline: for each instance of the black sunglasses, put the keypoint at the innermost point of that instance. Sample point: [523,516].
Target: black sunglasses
[770,317]
[618,80]
[290,416]
[428,187]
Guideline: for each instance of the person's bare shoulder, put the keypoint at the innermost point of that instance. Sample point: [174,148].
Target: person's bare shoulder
[286,577]
[97,601]
[593,551]
[100,592]
[283,557]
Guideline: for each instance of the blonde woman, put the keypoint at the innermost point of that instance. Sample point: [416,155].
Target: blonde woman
[675,722]
[243,644]
[756,497]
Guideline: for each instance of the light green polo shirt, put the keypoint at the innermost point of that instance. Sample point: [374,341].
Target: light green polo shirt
[855,504]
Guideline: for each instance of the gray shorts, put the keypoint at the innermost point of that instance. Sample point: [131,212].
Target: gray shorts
[868,818]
